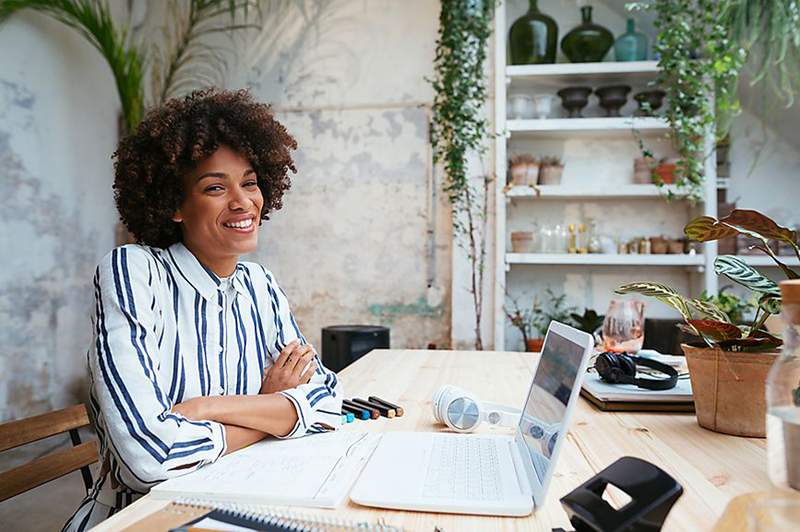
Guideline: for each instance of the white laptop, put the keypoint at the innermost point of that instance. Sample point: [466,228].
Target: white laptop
[479,473]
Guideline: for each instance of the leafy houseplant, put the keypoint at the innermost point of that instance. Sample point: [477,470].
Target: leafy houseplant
[704,46]
[533,322]
[735,307]
[588,322]
[459,128]
[728,370]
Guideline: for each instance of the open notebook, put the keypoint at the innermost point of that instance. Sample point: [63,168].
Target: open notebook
[316,471]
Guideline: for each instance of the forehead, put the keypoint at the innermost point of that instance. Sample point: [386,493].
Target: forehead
[224,160]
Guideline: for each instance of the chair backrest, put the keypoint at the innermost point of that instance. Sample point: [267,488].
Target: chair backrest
[54,465]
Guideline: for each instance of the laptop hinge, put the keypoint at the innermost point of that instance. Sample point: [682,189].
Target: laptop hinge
[519,469]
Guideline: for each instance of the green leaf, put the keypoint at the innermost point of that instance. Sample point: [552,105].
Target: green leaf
[770,303]
[663,293]
[707,228]
[710,309]
[736,270]
[716,330]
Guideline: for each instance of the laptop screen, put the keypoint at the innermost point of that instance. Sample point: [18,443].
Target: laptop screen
[546,406]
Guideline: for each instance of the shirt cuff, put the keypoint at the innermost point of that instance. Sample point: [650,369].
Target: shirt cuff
[298,400]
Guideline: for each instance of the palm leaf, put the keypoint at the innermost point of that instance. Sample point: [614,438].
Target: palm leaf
[93,20]
[736,270]
[186,61]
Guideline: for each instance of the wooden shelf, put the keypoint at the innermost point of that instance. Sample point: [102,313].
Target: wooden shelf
[571,127]
[605,260]
[610,191]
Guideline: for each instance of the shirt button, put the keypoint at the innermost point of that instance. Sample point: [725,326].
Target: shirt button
[220,390]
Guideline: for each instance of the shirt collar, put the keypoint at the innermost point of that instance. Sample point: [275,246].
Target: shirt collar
[206,282]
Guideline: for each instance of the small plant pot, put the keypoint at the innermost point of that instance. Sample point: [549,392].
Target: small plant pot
[522,241]
[665,173]
[729,389]
[524,174]
[534,345]
[551,174]
[642,170]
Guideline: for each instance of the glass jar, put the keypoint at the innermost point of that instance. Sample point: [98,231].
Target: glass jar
[588,41]
[631,45]
[783,397]
[532,38]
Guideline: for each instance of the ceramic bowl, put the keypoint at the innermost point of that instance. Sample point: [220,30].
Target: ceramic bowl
[573,99]
[520,106]
[612,98]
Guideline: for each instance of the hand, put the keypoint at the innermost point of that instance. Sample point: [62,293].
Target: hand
[193,409]
[288,370]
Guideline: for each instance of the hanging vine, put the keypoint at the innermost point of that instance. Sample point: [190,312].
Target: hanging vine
[459,127]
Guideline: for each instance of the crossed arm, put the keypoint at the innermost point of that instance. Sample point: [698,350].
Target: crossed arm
[250,418]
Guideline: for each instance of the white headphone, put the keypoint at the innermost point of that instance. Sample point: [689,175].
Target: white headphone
[463,411]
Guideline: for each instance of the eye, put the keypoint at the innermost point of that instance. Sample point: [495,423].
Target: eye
[250,183]
[214,188]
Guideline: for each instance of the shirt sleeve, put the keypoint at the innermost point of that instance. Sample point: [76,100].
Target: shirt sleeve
[318,403]
[151,442]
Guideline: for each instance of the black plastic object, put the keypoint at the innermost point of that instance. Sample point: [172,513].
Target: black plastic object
[344,344]
[652,493]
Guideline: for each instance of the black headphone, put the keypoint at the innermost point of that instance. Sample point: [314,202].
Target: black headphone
[620,368]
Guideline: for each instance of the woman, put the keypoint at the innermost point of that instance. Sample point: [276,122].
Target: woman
[196,354]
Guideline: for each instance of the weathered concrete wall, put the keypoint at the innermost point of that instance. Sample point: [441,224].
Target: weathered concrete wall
[363,236]
[57,129]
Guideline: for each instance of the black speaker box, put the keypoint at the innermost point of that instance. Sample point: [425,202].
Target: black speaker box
[344,344]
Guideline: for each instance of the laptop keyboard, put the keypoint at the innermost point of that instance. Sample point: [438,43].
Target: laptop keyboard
[463,468]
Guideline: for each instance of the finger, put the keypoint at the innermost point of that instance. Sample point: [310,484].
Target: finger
[286,352]
[300,359]
[308,374]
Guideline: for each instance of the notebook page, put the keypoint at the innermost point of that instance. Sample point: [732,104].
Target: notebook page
[316,471]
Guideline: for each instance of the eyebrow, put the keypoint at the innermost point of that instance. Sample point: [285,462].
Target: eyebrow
[222,175]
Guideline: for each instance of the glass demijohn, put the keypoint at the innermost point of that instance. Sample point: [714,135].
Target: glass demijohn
[532,38]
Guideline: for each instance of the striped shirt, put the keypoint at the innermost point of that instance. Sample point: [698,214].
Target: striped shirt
[167,329]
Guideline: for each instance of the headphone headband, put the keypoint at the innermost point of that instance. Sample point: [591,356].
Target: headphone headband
[620,368]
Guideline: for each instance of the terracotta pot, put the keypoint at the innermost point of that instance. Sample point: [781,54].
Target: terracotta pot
[550,174]
[729,389]
[534,345]
[675,246]
[524,174]
[658,245]
[666,172]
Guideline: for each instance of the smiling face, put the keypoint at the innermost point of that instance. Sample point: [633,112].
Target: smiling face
[221,210]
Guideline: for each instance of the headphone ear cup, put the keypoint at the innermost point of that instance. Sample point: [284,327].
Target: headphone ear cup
[627,365]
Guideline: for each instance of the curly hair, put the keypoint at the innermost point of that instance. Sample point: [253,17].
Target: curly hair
[175,137]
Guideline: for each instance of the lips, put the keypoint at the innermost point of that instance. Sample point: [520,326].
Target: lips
[245,224]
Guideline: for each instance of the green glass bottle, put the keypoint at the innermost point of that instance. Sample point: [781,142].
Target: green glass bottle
[631,45]
[532,38]
[588,41]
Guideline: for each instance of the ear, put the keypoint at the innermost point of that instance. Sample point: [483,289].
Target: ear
[177,217]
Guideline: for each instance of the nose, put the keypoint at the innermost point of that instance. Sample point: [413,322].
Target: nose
[238,199]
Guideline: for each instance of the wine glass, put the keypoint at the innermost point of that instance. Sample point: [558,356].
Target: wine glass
[623,326]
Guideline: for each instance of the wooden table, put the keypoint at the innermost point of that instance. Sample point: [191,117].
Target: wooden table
[713,468]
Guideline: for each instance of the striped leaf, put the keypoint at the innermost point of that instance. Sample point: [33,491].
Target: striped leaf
[663,293]
[788,272]
[716,330]
[770,303]
[708,228]
[736,270]
[710,310]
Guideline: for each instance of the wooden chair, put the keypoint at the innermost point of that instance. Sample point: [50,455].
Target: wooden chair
[54,465]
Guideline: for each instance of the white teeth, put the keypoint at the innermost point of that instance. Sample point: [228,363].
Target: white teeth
[244,224]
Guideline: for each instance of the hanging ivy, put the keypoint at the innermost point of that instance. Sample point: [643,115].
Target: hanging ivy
[459,126]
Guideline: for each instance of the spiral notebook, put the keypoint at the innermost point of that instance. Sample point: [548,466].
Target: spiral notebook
[191,514]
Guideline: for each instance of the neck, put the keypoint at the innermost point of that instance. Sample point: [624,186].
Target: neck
[222,266]
[533,5]
[586,13]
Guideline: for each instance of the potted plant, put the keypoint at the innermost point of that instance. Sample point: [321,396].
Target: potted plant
[550,170]
[588,322]
[737,308]
[728,368]
[533,322]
